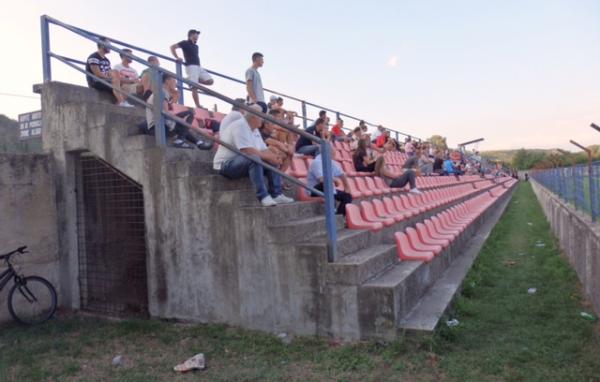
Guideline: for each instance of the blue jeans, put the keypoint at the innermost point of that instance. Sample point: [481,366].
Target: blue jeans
[312,150]
[241,167]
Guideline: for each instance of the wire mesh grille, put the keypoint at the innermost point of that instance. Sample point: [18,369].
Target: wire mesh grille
[112,245]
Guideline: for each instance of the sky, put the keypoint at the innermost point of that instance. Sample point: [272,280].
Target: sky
[519,73]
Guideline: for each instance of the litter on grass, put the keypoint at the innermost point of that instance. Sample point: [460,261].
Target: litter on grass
[452,323]
[194,363]
[532,290]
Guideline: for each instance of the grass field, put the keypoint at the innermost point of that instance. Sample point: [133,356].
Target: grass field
[505,334]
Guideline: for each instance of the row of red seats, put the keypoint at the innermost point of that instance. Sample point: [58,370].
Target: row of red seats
[376,214]
[429,238]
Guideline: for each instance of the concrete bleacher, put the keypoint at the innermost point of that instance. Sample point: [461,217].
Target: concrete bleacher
[216,255]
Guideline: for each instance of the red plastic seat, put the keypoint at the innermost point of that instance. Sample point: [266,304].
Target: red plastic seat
[349,169]
[380,210]
[299,169]
[354,220]
[418,245]
[406,252]
[381,185]
[390,206]
[371,184]
[434,233]
[362,186]
[354,191]
[368,213]
[426,238]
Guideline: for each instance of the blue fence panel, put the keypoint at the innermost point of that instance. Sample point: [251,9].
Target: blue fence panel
[578,185]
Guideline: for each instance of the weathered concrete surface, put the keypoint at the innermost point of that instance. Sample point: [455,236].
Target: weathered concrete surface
[579,239]
[28,217]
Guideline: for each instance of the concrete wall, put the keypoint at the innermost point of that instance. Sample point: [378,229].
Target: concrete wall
[579,238]
[28,217]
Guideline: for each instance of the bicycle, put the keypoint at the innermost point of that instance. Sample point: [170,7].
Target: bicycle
[32,299]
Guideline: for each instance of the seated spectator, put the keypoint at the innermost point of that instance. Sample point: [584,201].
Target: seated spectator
[277,142]
[315,180]
[276,103]
[146,82]
[129,76]
[409,176]
[181,132]
[306,146]
[425,162]
[365,161]
[438,162]
[98,65]
[378,133]
[382,139]
[449,168]
[365,130]
[337,132]
[354,137]
[243,134]
[233,116]
[409,147]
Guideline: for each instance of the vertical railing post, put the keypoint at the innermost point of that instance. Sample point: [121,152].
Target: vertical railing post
[328,190]
[337,116]
[304,114]
[47,71]
[157,107]
[591,187]
[179,72]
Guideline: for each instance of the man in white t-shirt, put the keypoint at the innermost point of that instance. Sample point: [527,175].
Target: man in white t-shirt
[129,76]
[243,134]
[233,116]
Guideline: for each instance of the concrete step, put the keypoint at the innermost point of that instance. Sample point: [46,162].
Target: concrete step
[349,241]
[302,229]
[362,265]
[426,314]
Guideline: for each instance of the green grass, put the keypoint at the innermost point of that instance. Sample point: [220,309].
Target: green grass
[504,333]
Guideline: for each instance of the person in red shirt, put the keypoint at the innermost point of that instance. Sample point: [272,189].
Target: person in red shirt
[337,130]
[382,139]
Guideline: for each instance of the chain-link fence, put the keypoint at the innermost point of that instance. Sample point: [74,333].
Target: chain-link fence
[578,185]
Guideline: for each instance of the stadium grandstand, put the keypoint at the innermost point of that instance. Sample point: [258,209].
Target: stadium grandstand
[309,222]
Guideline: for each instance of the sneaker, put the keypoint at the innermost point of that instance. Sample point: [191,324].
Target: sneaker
[268,201]
[179,143]
[415,191]
[282,199]
[204,145]
[125,104]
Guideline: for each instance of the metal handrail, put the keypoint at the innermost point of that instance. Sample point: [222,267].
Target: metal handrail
[227,77]
[160,116]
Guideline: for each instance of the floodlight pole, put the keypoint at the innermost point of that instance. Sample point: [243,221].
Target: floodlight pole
[595,127]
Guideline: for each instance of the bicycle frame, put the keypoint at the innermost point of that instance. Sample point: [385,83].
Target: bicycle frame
[6,276]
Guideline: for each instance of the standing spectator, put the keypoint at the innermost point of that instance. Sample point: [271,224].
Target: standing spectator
[98,65]
[383,138]
[244,135]
[378,133]
[193,69]
[254,86]
[129,76]
[315,180]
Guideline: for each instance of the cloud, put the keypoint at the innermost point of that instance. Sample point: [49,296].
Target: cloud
[392,62]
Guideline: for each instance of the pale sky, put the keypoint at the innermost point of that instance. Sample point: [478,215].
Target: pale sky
[518,73]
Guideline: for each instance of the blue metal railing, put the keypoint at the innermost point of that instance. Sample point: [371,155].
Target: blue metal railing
[578,185]
[179,71]
[160,115]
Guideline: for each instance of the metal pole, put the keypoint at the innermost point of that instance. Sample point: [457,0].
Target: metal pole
[157,105]
[304,114]
[178,70]
[47,71]
[591,186]
[328,190]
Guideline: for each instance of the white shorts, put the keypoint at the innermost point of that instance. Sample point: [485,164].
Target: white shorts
[197,74]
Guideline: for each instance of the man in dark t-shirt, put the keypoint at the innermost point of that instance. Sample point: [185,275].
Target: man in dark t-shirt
[191,57]
[98,65]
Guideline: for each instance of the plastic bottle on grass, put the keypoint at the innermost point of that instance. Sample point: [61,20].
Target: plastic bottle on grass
[587,316]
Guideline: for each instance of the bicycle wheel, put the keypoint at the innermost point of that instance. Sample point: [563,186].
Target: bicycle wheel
[32,300]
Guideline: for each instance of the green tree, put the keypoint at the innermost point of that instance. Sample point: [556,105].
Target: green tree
[438,142]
